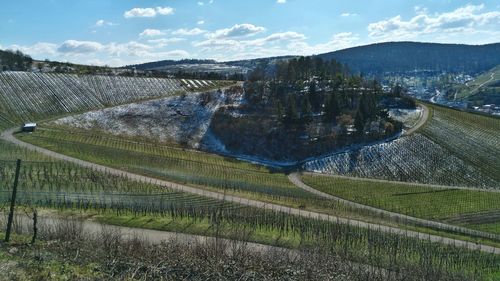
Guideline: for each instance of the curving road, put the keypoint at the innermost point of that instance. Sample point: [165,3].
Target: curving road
[423,119]
[8,136]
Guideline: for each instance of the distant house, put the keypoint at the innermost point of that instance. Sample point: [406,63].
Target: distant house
[29,127]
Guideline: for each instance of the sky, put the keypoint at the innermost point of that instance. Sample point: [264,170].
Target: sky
[121,32]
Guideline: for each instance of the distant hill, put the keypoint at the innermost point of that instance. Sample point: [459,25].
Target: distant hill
[166,63]
[403,57]
[375,59]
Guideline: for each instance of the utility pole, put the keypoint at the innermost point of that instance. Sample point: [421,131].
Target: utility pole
[13,201]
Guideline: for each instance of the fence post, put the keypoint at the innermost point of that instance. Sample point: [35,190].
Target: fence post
[13,201]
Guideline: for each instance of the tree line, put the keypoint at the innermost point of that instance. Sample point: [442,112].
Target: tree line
[14,60]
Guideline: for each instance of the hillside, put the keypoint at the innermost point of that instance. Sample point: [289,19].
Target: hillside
[402,57]
[14,60]
[487,83]
[26,96]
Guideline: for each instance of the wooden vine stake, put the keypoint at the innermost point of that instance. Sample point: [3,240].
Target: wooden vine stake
[13,201]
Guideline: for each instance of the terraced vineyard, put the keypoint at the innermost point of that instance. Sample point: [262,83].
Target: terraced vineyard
[473,138]
[450,205]
[26,96]
[456,149]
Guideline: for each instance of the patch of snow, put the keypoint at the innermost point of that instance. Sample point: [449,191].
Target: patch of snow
[181,119]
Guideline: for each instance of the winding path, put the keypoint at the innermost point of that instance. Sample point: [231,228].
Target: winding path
[423,119]
[8,136]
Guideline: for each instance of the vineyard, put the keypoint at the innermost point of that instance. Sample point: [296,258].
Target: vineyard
[473,138]
[26,96]
[413,159]
[445,205]
[183,166]
[69,188]
[455,149]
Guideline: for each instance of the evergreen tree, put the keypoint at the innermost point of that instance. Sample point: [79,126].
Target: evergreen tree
[306,115]
[359,122]
[332,108]
[292,115]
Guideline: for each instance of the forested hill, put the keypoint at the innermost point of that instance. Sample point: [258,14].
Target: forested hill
[14,60]
[402,57]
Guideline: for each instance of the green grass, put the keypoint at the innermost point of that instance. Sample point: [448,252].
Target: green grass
[473,138]
[417,201]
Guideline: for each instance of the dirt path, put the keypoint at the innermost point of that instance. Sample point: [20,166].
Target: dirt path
[297,181]
[7,135]
[47,223]
[423,119]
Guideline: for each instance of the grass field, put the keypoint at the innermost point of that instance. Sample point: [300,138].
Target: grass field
[447,205]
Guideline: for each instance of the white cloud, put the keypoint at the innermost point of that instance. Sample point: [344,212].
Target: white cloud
[277,38]
[237,30]
[337,42]
[148,12]
[464,20]
[348,14]
[152,32]
[164,11]
[200,22]
[131,48]
[101,22]
[188,32]
[79,47]
[163,42]
[283,43]
[281,1]
[201,3]
[40,48]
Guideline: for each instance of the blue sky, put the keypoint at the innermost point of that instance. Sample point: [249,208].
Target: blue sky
[118,32]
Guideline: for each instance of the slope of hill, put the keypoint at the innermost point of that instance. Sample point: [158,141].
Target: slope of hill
[402,57]
[26,96]
[489,81]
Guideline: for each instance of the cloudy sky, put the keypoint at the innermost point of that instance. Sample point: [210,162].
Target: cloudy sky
[118,32]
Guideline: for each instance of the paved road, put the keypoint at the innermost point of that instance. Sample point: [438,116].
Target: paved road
[7,135]
[297,181]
